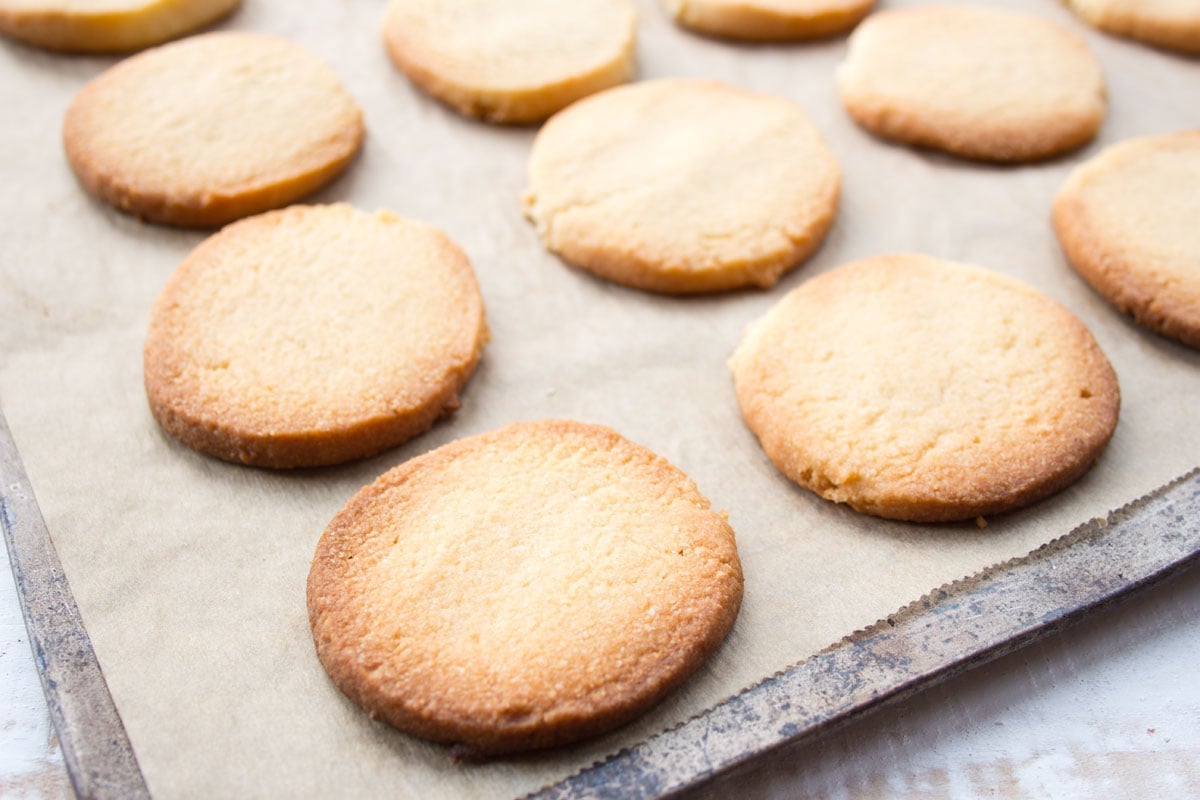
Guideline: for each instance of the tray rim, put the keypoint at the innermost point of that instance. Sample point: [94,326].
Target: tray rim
[101,763]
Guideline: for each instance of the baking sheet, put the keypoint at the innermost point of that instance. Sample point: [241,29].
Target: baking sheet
[189,573]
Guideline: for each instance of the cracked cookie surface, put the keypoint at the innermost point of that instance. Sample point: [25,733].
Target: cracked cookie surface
[523,588]
[925,390]
[313,335]
[682,186]
[1127,220]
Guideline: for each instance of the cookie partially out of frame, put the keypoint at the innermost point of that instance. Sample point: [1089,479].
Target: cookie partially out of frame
[313,335]
[682,186]
[1172,24]
[516,61]
[925,390]
[769,20]
[523,588]
[212,128]
[1129,222]
[106,26]
[972,81]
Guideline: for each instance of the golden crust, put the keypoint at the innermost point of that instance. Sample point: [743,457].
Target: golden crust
[269,124]
[269,346]
[682,186]
[1172,24]
[513,62]
[1127,221]
[108,26]
[974,82]
[522,589]
[769,20]
[925,390]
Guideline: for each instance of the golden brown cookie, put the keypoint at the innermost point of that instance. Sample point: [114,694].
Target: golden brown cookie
[769,20]
[205,130]
[682,186]
[522,589]
[925,390]
[515,62]
[1173,24]
[1129,221]
[973,81]
[106,26]
[313,335]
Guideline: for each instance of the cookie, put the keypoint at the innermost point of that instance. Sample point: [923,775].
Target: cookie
[522,589]
[106,26]
[212,128]
[1171,24]
[769,20]
[925,390]
[513,62]
[313,335]
[682,186]
[974,82]
[1129,222]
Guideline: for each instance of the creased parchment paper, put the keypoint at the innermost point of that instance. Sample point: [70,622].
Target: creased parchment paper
[190,572]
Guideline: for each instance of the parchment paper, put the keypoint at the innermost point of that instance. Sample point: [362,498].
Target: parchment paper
[190,572]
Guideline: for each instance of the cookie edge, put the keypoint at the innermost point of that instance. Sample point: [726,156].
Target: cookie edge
[214,208]
[777,446]
[519,106]
[1107,269]
[110,32]
[750,22]
[189,424]
[1027,145]
[470,739]
[634,270]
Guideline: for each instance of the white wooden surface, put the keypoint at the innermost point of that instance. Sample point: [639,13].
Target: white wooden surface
[1110,708]
[30,760]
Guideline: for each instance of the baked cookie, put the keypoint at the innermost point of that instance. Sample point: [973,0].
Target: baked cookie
[1173,24]
[925,390]
[106,26]
[1129,222]
[682,186]
[769,20]
[522,589]
[515,62]
[313,335]
[211,128]
[974,82]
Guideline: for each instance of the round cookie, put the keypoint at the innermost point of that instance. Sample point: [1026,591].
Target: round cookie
[769,20]
[972,81]
[522,589]
[514,62]
[106,26]
[1129,222]
[312,335]
[682,186]
[211,128]
[925,390]
[1173,24]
